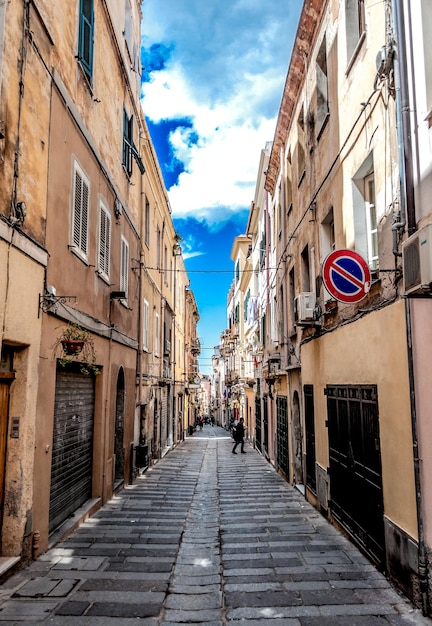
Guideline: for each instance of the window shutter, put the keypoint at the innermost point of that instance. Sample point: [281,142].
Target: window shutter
[80,212]
[84,216]
[124,263]
[104,242]
[77,211]
[86,37]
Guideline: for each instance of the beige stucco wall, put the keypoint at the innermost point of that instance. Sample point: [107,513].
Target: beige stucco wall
[20,284]
[329,360]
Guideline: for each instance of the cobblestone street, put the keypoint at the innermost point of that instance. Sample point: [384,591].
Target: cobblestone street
[205,537]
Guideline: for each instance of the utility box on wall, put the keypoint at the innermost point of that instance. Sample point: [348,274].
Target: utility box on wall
[304,307]
[417,261]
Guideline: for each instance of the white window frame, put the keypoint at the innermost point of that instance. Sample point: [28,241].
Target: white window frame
[371,221]
[104,242]
[146,309]
[80,212]
[124,266]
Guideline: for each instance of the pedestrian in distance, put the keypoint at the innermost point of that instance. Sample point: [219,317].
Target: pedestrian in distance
[238,435]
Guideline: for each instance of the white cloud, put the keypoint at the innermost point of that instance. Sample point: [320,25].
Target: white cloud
[225,74]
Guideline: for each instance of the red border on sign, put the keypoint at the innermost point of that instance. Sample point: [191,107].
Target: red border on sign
[330,264]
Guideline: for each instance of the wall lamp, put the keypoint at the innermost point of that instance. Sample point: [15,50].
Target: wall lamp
[19,212]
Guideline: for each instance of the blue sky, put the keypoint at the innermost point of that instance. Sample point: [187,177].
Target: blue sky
[212,86]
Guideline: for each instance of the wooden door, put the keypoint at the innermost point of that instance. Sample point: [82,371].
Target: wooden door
[5,381]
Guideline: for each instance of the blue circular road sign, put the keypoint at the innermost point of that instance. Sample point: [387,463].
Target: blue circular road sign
[346,276]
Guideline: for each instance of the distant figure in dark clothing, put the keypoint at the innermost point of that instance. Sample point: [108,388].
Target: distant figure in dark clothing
[238,435]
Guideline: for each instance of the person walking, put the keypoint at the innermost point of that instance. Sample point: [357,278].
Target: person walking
[238,435]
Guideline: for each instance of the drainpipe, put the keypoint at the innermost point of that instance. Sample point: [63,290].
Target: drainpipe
[422,560]
[407,213]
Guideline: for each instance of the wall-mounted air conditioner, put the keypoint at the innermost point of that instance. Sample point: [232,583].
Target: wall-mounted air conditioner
[417,261]
[304,307]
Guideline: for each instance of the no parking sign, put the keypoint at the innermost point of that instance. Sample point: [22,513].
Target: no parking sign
[346,275]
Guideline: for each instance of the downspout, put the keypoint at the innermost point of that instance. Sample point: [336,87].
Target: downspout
[407,195]
[284,262]
[140,329]
[422,560]
[407,204]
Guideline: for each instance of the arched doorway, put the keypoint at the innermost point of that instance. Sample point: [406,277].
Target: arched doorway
[119,450]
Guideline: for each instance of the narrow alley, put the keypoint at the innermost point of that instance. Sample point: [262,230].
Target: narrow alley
[205,537]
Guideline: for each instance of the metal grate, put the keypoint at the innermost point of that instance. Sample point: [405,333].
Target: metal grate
[72,446]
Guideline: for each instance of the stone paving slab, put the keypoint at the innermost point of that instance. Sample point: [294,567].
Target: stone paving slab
[204,537]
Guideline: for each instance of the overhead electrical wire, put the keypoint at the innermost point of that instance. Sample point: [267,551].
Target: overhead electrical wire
[186,271]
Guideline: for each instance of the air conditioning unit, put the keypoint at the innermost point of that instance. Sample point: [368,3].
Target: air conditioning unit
[304,307]
[417,261]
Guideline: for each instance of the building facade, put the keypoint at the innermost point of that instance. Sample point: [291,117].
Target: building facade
[341,369]
[89,253]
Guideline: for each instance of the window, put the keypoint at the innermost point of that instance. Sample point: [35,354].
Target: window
[280,315]
[129,149]
[305,269]
[371,221]
[263,330]
[145,325]
[288,185]
[166,265]
[86,34]
[124,266]
[81,200]
[104,242]
[301,154]
[127,33]
[246,306]
[328,242]
[147,223]
[127,142]
[426,19]
[237,271]
[158,248]
[262,250]
[365,213]
[355,24]
[157,334]
[322,86]
[279,223]
[291,282]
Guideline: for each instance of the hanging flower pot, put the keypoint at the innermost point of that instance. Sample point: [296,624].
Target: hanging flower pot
[271,379]
[72,346]
[75,347]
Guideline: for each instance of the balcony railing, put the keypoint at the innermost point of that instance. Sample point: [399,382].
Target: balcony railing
[196,347]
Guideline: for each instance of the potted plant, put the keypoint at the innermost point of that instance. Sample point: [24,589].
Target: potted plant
[76,345]
[330,305]
[270,378]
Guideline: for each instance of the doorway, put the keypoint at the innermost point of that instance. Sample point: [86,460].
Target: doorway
[119,449]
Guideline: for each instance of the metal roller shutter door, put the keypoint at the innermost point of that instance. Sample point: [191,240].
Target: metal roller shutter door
[72,448]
